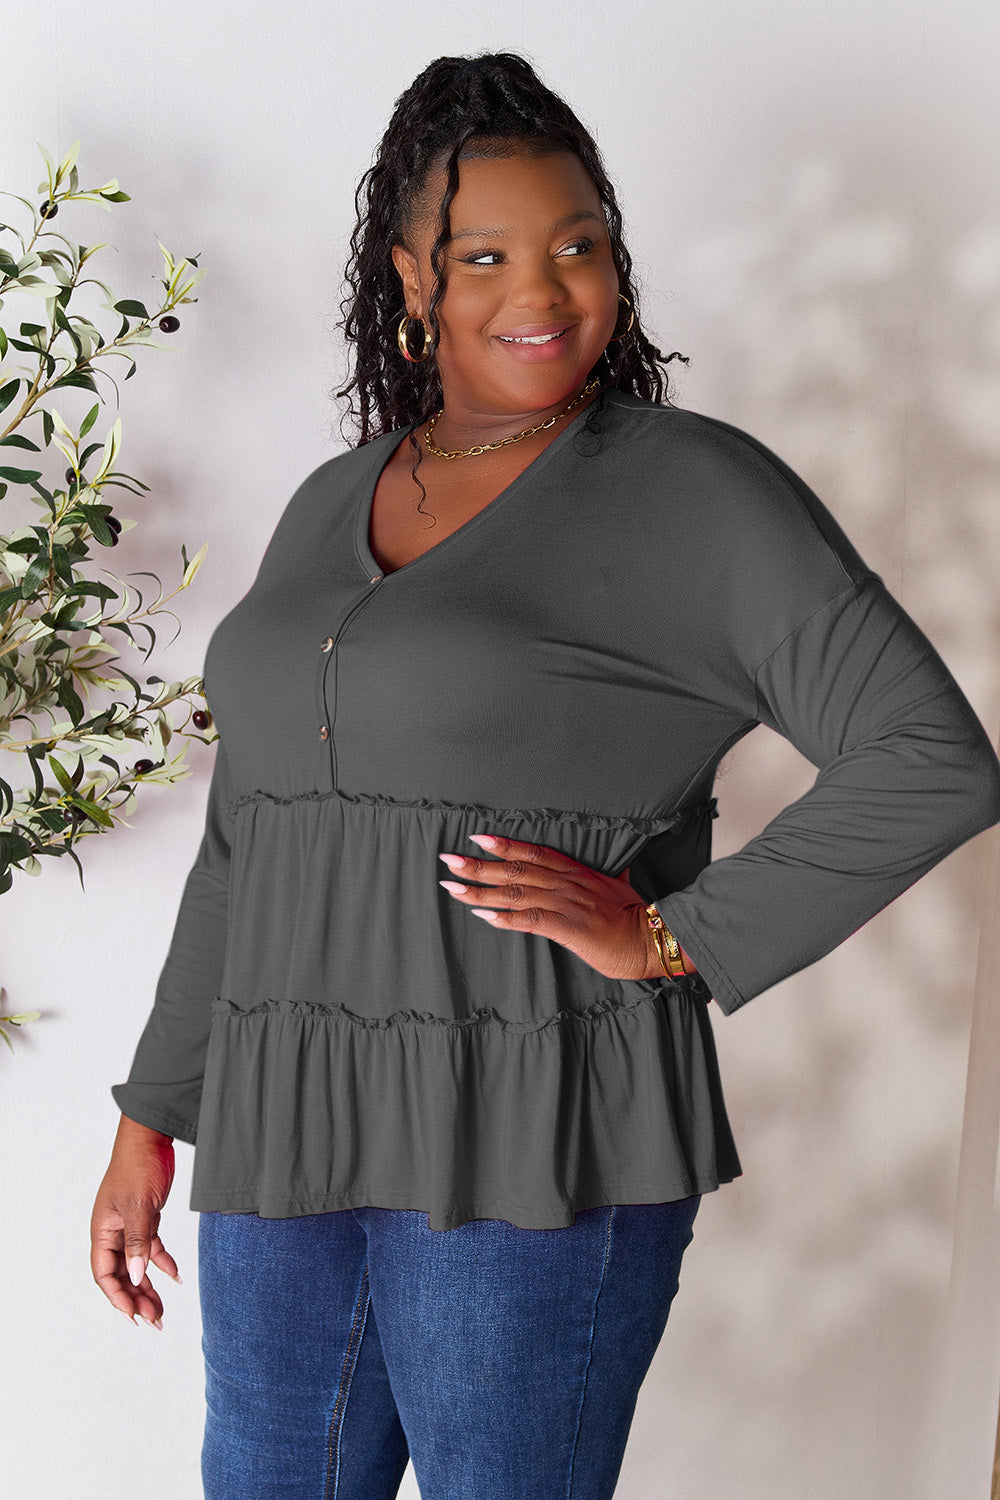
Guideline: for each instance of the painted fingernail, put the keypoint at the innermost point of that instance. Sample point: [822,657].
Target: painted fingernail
[130,1316]
[453,885]
[453,861]
[136,1270]
[488,916]
[486,839]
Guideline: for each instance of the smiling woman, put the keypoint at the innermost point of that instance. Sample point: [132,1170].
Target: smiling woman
[452,1135]
[534,276]
[530,307]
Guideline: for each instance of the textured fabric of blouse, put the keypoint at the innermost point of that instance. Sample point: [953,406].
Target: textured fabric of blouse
[331,1028]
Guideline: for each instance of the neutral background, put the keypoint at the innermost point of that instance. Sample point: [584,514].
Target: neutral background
[812,200]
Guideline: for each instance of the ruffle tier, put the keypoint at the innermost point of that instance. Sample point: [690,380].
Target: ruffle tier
[309,1108]
[335,898]
[376,1044]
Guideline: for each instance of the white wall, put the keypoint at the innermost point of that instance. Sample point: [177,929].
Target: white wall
[812,200]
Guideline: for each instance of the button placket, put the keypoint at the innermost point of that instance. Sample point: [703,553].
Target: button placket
[326,647]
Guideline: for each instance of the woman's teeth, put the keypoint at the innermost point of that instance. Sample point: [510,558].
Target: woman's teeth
[542,338]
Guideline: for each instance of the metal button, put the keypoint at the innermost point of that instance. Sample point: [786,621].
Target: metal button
[327,643]
[324,733]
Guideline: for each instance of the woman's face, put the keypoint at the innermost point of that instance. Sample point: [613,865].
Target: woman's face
[530,255]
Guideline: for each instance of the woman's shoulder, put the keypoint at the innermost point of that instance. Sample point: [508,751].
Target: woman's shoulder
[337,477]
[357,458]
[684,428]
[740,490]
[650,430]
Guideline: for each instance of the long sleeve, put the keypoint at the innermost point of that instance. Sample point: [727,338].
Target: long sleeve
[163,1089]
[907,773]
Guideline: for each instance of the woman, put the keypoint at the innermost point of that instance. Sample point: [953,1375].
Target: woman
[452,1134]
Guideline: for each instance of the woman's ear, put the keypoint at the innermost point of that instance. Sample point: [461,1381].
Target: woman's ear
[406,264]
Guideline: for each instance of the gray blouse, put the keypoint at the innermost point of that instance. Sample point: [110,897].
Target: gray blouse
[331,1028]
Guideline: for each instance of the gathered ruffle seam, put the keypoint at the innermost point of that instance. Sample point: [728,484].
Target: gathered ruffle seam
[425,804]
[483,1016]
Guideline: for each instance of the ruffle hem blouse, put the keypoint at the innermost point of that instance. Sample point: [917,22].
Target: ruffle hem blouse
[331,1028]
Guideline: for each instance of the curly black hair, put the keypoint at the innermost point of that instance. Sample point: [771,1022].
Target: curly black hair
[492,104]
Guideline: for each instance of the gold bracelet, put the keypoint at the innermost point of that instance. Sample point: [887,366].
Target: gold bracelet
[671,960]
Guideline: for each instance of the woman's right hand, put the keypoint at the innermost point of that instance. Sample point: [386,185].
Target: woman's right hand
[126,1217]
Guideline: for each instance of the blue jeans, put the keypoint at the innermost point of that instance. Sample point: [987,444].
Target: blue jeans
[506,1362]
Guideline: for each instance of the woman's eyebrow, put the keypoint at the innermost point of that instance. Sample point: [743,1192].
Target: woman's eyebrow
[584,214]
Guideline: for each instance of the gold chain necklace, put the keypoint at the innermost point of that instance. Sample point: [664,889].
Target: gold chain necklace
[588,390]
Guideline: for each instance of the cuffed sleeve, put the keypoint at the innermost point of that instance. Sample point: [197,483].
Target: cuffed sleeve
[163,1089]
[907,774]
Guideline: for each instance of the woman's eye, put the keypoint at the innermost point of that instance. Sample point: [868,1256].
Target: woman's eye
[579,246]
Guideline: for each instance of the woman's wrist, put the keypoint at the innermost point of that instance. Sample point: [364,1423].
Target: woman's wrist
[130,1130]
[654,967]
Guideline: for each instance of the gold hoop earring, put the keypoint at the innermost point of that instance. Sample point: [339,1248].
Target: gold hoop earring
[401,340]
[631,319]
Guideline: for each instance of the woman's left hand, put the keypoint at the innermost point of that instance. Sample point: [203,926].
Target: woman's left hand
[533,888]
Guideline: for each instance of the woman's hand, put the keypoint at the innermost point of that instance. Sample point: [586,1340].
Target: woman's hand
[532,888]
[125,1220]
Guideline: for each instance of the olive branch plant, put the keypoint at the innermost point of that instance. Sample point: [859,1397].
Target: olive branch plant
[58,620]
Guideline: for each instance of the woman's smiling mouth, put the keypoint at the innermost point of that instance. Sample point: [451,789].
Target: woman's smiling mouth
[535,334]
[537,342]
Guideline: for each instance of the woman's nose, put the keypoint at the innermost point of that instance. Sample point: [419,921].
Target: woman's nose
[537,286]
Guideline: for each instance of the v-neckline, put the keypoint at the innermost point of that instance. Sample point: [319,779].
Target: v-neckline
[366,499]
